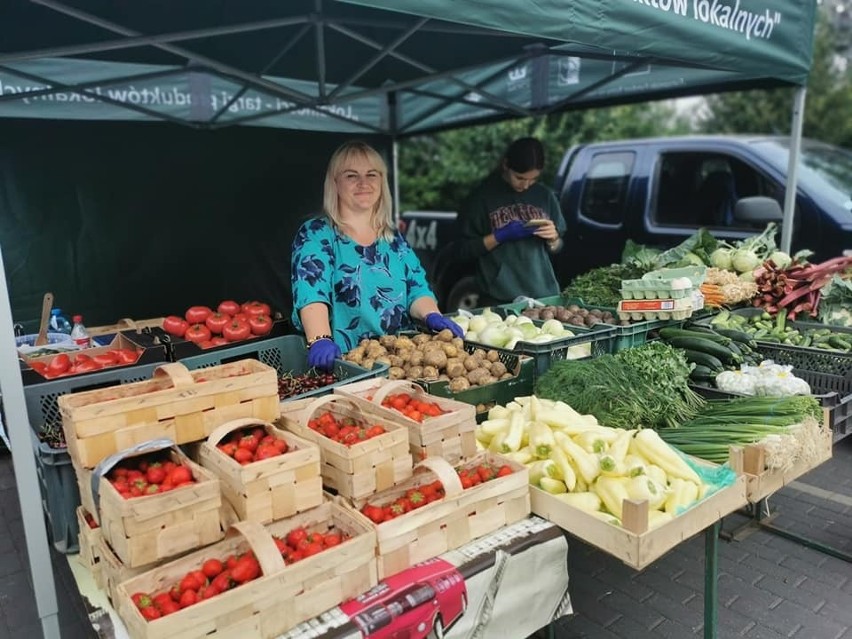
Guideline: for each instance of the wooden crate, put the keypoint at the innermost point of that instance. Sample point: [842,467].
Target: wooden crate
[125,324]
[633,543]
[144,530]
[269,489]
[280,599]
[762,482]
[176,404]
[461,516]
[361,469]
[450,435]
[90,555]
[84,483]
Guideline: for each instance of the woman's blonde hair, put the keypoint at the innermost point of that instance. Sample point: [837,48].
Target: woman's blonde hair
[382,218]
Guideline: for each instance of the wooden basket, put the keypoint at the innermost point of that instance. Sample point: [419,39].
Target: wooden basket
[176,404]
[280,599]
[90,554]
[461,516]
[269,489]
[113,571]
[450,435]
[144,530]
[633,542]
[125,324]
[361,469]
[762,482]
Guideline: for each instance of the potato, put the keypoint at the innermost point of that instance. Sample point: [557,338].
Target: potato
[396,372]
[421,338]
[403,343]
[435,357]
[487,379]
[458,342]
[471,362]
[414,372]
[506,376]
[450,350]
[445,335]
[367,363]
[376,350]
[497,369]
[456,369]
[384,359]
[479,353]
[476,375]
[430,372]
[388,341]
[416,357]
[395,360]
[459,384]
[492,356]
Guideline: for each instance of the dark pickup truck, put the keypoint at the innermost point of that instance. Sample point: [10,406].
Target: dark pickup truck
[657,192]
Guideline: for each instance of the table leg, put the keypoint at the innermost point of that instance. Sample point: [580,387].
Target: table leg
[711,580]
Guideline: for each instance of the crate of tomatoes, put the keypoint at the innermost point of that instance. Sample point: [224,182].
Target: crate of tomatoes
[437,426]
[155,503]
[257,582]
[266,473]
[360,452]
[443,507]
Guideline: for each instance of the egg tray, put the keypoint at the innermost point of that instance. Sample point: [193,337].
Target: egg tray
[671,309]
[651,290]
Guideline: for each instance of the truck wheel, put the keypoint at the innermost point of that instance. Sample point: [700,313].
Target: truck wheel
[464,294]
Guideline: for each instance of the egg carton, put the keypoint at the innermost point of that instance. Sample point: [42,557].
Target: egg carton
[656,309]
[651,290]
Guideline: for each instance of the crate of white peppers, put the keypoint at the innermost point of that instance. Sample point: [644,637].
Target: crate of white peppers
[626,492]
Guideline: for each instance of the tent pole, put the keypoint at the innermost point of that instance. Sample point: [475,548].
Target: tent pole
[26,479]
[793,169]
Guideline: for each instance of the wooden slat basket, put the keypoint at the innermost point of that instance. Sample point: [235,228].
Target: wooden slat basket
[143,530]
[450,435]
[361,469]
[461,516]
[283,597]
[269,489]
[114,571]
[176,404]
[90,554]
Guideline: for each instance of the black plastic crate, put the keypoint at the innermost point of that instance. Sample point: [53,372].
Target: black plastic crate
[60,495]
[833,392]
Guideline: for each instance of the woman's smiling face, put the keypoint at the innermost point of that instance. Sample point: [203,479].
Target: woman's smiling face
[359,185]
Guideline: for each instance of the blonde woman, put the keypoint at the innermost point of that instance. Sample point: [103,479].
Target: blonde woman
[353,275]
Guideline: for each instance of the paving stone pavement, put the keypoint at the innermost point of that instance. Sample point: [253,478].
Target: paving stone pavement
[769,587]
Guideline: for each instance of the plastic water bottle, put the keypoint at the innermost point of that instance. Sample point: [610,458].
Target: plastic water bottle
[58,322]
[79,333]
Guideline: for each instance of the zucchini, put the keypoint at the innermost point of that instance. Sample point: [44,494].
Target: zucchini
[702,373]
[706,346]
[738,336]
[703,359]
[671,333]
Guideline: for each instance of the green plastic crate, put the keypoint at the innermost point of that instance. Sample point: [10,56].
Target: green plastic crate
[500,392]
[287,355]
[635,334]
[60,495]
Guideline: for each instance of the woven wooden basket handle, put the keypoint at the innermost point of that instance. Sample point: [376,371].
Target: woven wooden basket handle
[221,431]
[446,474]
[126,322]
[395,385]
[264,547]
[307,413]
[177,373]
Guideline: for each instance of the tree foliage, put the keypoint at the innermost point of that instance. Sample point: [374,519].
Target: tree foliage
[827,116]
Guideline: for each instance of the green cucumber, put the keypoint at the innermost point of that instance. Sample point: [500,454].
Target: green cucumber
[703,359]
[838,342]
[706,346]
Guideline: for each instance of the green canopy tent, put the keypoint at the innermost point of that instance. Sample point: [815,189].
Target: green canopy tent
[387,67]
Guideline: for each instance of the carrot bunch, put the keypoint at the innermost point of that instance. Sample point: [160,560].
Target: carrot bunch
[713,296]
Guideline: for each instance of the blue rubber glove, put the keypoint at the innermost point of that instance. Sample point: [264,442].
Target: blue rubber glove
[437,322]
[514,230]
[322,354]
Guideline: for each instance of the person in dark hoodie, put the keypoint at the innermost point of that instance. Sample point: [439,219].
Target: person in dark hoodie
[511,225]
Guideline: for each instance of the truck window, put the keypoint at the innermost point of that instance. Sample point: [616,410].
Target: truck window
[605,187]
[696,189]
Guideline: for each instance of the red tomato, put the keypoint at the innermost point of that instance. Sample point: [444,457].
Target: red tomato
[155,474]
[150,613]
[212,567]
[39,367]
[197,314]
[295,536]
[260,324]
[243,456]
[86,366]
[254,308]
[59,364]
[218,340]
[208,343]
[228,307]
[188,598]
[197,333]
[216,322]
[174,325]
[236,330]
[241,317]
[127,355]
[110,358]
[180,475]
